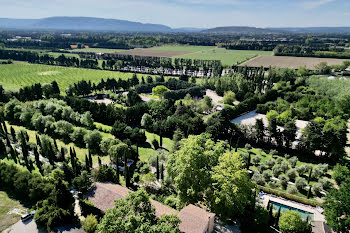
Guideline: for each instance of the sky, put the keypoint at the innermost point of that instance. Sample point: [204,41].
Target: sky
[191,13]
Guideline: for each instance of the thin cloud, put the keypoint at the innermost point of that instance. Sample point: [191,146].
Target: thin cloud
[315,4]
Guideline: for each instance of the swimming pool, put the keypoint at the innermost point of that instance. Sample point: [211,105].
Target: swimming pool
[304,214]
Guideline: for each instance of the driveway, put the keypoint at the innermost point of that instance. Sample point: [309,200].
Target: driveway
[30,227]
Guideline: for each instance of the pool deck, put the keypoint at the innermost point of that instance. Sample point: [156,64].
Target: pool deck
[318,216]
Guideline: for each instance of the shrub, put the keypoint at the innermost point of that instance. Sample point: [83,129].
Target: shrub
[285,166]
[277,170]
[267,174]
[248,146]
[229,97]
[300,183]
[279,160]
[256,159]
[287,156]
[90,224]
[258,179]
[326,183]
[289,196]
[293,161]
[283,181]
[273,184]
[301,169]
[292,174]
[292,189]
[270,163]
[317,189]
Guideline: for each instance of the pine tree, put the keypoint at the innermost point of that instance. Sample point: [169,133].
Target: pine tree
[5,127]
[51,155]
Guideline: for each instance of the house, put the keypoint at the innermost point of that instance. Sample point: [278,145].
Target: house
[193,219]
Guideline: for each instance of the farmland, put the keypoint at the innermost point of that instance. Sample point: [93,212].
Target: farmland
[20,74]
[97,50]
[290,62]
[227,57]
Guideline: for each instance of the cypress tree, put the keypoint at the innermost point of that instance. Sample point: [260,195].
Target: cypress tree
[5,127]
[38,141]
[37,158]
[160,140]
[278,216]
[2,148]
[2,133]
[270,215]
[8,143]
[126,171]
[13,134]
[63,154]
[90,159]
[309,178]
[55,143]
[162,172]
[13,154]
[157,168]
[51,155]
[248,162]
[309,192]
[117,169]
[99,161]
[236,149]
[87,163]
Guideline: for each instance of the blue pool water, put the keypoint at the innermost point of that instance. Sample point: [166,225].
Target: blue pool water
[304,214]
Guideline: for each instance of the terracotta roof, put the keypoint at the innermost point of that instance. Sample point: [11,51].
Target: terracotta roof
[194,219]
[104,194]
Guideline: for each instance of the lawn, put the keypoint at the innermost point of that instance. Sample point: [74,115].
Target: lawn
[336,88]
[7,204]
[20,74]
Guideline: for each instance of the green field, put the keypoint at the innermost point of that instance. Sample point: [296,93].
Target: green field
[20,74]
[7,204]
[336,88]
[97,50]
[227,57]
[183,48]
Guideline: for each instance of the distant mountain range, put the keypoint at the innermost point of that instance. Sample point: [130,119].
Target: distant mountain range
[115,25]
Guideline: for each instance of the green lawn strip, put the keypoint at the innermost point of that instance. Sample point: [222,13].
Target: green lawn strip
[7,204]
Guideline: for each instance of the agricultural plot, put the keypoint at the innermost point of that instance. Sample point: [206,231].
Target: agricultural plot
[227,57]
[20,74]
[153,53]
[290,62]
[97,50]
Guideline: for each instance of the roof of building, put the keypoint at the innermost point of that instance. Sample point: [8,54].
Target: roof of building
[194,219]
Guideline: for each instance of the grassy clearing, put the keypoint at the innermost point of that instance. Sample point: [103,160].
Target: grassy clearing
[7,204]
[97,50]
[20,74]
[335,87]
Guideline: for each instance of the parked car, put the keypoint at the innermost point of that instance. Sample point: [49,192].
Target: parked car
[27,216]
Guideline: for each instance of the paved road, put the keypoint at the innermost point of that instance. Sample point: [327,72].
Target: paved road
[30,227]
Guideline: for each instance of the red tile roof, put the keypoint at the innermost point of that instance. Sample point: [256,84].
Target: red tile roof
[193,219]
